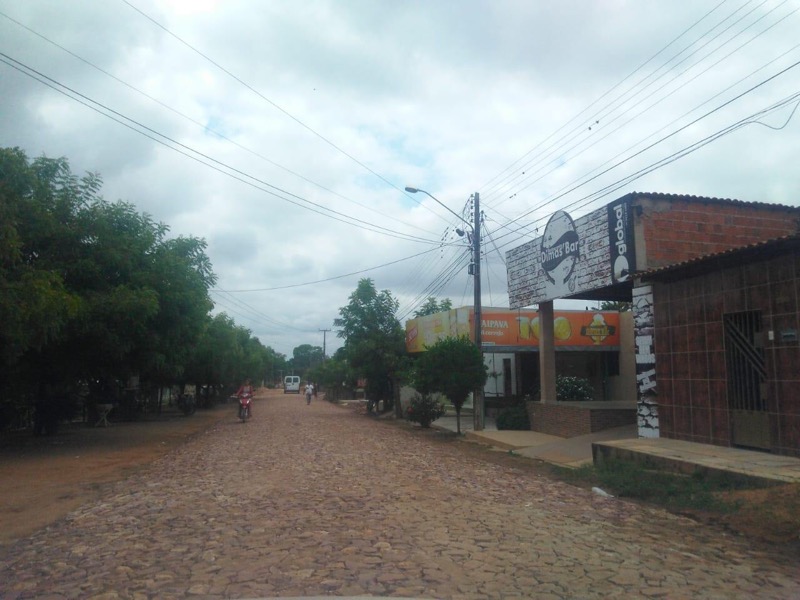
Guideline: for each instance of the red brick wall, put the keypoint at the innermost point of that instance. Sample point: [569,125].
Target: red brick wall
[570,421]
[692,374]
[678,229]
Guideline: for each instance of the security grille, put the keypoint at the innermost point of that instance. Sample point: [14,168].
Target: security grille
[747,373]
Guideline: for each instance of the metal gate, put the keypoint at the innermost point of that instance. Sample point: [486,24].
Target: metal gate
[747,373]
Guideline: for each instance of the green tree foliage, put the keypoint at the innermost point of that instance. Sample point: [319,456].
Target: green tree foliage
[305,357]
[94,292]
[431,307]
[573,389]
[335,377]
[424,409]
[374,339]
[617,305]
[453,367]
[227,354]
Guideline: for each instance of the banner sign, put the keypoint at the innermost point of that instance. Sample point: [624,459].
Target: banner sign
[594,251]
[620,233]
[515,328]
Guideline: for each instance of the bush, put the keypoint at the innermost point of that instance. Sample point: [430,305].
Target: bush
[424,410]
[514,418]
[573,389]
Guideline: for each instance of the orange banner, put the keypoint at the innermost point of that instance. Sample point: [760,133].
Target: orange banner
[515,328]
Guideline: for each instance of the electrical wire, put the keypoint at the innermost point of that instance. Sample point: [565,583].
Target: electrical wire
[487,185]
[663,98]
[206,127]
[217,166]
[279,108]
[661,140]
[296,285]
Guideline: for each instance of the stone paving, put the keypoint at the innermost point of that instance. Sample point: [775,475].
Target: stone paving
[319,500]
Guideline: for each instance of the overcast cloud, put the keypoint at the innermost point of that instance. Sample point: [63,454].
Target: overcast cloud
[342,104]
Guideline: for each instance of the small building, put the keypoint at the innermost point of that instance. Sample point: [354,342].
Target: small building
[616,253]
[592,344]
[727,347]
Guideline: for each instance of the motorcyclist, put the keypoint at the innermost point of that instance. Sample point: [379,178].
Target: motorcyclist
[246,389]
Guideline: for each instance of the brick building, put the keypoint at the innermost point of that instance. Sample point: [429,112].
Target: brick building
[727,349]
[601,255]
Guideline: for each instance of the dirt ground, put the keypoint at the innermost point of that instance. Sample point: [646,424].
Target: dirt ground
[44,478]
[47,477]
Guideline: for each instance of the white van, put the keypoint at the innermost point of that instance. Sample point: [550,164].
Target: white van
[291,384]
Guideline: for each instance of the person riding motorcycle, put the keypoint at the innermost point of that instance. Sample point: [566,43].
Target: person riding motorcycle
[246,390]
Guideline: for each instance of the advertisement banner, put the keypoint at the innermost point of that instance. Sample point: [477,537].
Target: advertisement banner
[620,233]
[516,328]
[591,252]
[427,330]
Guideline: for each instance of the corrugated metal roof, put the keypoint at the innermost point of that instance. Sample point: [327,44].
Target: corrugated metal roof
[756,247]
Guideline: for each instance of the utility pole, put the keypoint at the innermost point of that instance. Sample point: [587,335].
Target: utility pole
[477,395]
[324,331]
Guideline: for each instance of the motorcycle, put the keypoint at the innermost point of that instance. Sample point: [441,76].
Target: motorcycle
[245,402]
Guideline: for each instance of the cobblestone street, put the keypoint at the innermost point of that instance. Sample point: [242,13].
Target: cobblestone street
[319,500]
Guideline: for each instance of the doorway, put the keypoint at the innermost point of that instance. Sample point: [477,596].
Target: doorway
[747,373]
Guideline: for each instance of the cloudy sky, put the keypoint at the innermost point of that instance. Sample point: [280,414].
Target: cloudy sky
[284,132]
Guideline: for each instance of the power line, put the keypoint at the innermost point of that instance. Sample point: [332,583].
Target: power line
[276,106]
[603,117]
[295,285]
[205,127]
[674,133]
[488,188]
[40,77]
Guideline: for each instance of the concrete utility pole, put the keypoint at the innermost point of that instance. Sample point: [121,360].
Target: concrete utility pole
[324,331]
[477,396]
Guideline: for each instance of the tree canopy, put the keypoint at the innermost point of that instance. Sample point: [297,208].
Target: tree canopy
[432,306]
[94,291]
[374,339]
[453,367]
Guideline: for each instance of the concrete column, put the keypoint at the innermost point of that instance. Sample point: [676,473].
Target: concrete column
[547,353]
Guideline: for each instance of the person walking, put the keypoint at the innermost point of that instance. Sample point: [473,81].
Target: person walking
[309,392]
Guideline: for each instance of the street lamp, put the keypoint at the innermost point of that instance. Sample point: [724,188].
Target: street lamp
[477,415]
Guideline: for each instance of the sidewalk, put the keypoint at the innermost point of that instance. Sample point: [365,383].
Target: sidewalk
[566,452]
[624,443]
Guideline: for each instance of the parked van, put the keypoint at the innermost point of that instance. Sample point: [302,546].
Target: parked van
[291,384]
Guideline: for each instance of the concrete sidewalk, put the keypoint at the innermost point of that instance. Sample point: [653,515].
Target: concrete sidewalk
[566,452]
[623,443]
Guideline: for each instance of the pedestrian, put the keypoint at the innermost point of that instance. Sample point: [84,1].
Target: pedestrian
[309,392]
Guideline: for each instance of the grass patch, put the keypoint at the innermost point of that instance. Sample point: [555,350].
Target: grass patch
[674,491]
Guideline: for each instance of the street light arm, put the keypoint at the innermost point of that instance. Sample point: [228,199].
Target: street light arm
[413,190]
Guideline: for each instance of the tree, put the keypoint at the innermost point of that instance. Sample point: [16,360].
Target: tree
[336,377]
[92,291]
[453,367]
[374,339]
[617,305]
[431,307]
[305,357]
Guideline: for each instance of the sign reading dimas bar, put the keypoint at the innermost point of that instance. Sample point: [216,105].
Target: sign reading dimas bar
[515,328]
[594,251]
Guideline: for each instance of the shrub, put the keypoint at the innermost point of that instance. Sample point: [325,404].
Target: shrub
[573,389]
[424,410]
[515,418]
